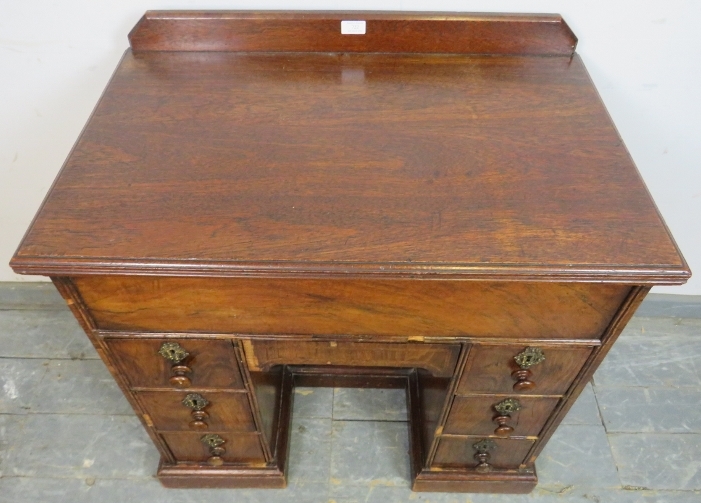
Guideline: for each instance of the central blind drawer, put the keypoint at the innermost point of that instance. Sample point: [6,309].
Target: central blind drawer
[438,359]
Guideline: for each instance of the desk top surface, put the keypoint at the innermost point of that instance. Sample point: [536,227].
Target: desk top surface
[362,163]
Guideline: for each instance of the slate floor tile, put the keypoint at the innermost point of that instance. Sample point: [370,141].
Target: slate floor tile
[11,427]
[664,360]
[569,494]
[583,494]
[43,334]
[370,404]
[78,490]
[585,410]
[35,490]
[577,455]
[313,402]
[150,490]
[665,305]
[30,295]
[310,451]
[658,460]
[370,452]
[655,327]
[389,494]
[78,387]
[19,379]
[647,410]
[79,446]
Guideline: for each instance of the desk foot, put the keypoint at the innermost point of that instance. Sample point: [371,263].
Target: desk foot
[190,476]
[471,482]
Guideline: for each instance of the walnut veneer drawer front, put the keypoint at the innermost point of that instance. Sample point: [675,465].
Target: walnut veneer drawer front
[477,415]
[171,410]
[355,307]
[237,447]
[547,370]
[438,359]
[461,451]
[182,363]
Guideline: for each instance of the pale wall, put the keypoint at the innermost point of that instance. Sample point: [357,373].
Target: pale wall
[644,56]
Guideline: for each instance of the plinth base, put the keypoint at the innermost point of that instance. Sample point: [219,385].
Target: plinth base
[184,476]
[456,481]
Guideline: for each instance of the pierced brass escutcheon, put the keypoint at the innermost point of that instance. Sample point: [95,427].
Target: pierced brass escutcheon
[508,406]
[529,357]
[195,401]
[484,446]
[212,440]
[172,351]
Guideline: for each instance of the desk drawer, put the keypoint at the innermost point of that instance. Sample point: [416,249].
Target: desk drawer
[208,364]
[169,411]
[493,369]
[351,306]
[476,415]
[438,359]
[237,447]
[459,452]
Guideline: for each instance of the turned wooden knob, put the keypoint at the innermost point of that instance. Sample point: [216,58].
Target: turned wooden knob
[179,379]
[216,458]
[523,382]
[503,430]
[198,423]
[215,461]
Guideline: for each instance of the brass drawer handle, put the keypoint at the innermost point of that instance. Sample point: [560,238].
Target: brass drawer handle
[505,408]
[175,353]
[197,403]
[483,449]
[214,442]
[526,359]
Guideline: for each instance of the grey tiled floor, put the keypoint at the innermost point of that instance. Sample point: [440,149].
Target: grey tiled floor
[67,434]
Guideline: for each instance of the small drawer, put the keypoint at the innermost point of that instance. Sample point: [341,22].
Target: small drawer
[183,411]
[194,447]
[209,363]
[523,416]
[494,369]
[439,359]
[459,452]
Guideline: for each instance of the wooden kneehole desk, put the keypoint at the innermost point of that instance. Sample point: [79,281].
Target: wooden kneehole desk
[439,204]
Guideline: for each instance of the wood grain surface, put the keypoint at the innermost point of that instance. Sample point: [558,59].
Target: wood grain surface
[399,308]
[387,32]
[220,163]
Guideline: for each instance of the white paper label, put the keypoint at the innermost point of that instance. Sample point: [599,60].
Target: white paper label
[352,27]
